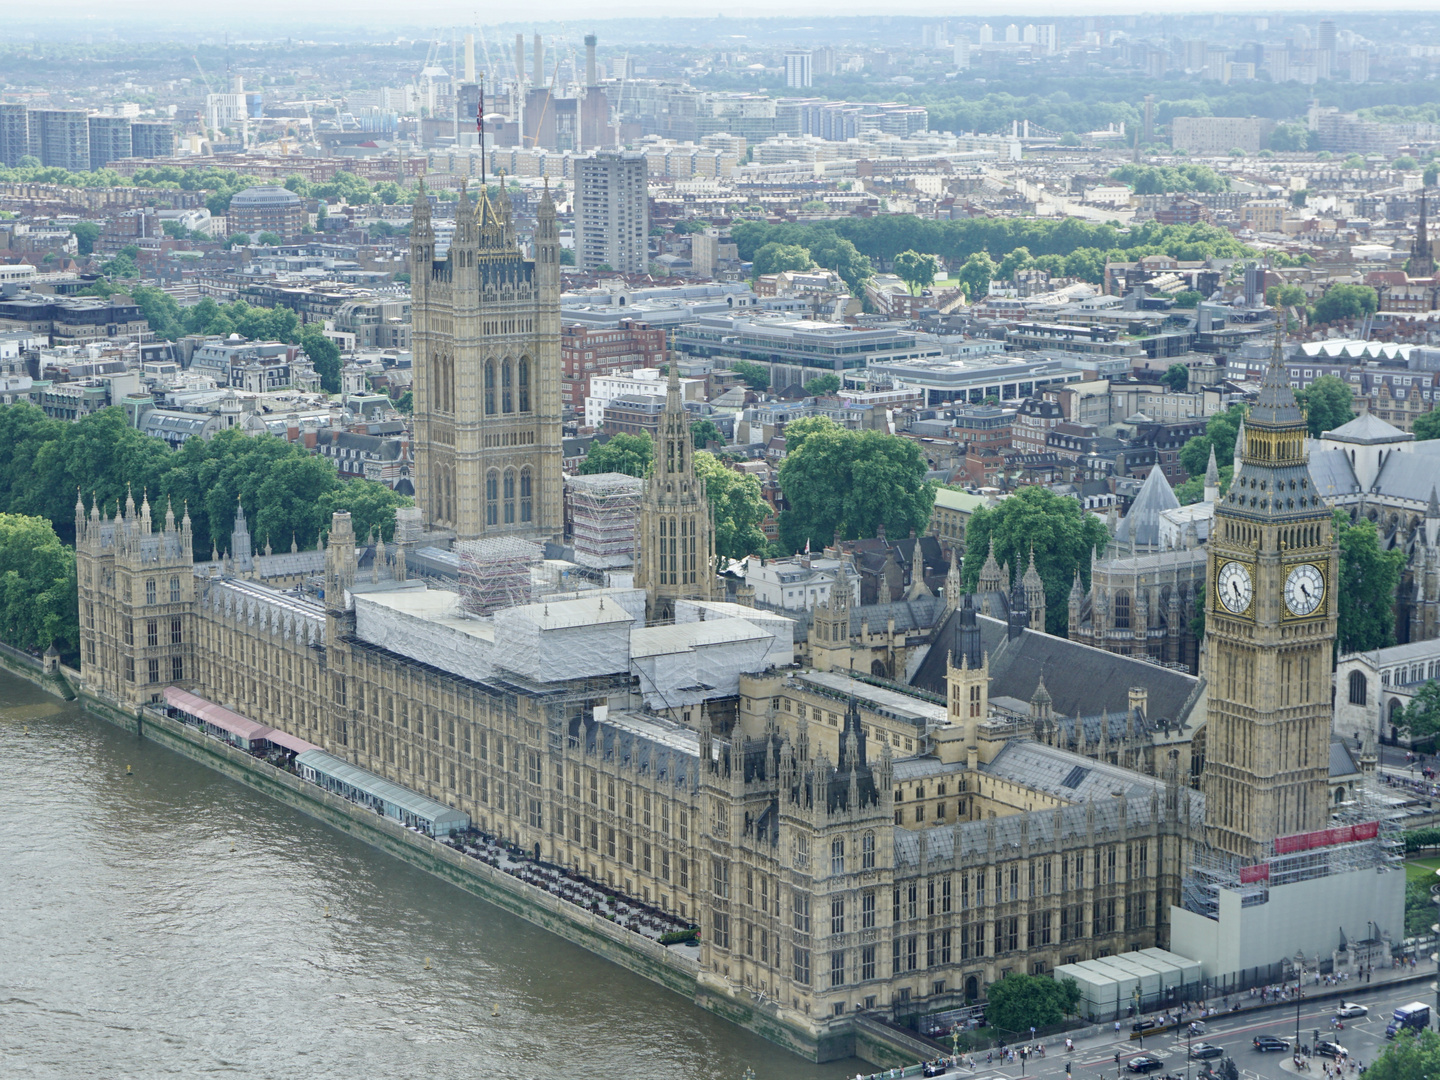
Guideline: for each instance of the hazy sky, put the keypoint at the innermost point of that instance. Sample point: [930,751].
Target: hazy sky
[265,18]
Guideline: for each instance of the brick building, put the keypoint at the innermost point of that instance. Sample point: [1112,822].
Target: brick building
[586,352]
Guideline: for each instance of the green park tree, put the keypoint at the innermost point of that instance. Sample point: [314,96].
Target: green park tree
[975,275]
[737,507]
[1188,298]
[1220,432]
[1369,575]
[38,604]
[823,385]
[839,254]
[1176,377]
[1019,1002]
[1328,402]
[1410,1055]
[916,270]
[1285,296]
[704,432]
[86,233]
[776,258]
[1426,426]
[851,482]
[405,403]
[1054,527]
[1422,715]
[269,239]
[755,376]
[628,454]
[324,354]
[1345,302]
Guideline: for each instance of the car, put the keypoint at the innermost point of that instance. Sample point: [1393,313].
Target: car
[1348,1009]
[1202,1050]
[1270,1042]
[935,1068]
[1326,1048]
[1144,1063]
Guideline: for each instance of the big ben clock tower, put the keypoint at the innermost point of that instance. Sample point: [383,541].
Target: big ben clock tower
[1270,625]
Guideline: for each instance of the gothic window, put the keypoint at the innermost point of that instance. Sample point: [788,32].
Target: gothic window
[867,852]
[523,379]
[837,856]
[1122,610]
[492,498]
[490,388]
[1359,685]
[150,591]
[509,496]
[175,590]
[525,500]
[507,393]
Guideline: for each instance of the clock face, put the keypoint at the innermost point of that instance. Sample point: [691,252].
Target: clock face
[1304,589]
[1235,587]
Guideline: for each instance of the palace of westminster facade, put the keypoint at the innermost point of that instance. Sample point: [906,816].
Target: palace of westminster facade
[842,843]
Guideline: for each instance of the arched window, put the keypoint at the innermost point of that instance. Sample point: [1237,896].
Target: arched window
[523,379]
[1360,687]
[867,851]
[440,492]
[1339,794]
[492,498]
[507,378]
[490,389]
[837,856]
[1122,610]
[509,494]
[525,503]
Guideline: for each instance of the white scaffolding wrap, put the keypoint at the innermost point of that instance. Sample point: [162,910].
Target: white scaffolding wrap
[428,626]
[603,511]
[688,663]
[780,627]
[566,639]
[495,572]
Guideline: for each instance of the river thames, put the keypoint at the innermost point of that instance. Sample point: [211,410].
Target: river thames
[169,922]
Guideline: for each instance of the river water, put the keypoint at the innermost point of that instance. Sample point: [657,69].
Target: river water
[169,922]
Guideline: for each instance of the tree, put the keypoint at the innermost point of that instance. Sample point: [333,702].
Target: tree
[628,454]
[86,233]
[1405,163]
[1290,138]
[776,258]
[1345,302]
[851,482]
[1019,1002]
[405,403]
[823,385]
[160,311]
[704,432]
[1193,489]
[1188,298]
[1220,432]
[1176,377]
[976,274]
[1054,527]
[269,239]
[1426,426]
[755,376]
[324,354]
[238,239]
[1018,259]
[838,254]
[1285,296]
[916,270]
[1369,575]
[1422,715]
[1328,402]
[38,602]
[737,507]
[1431,175]
[1412,1054]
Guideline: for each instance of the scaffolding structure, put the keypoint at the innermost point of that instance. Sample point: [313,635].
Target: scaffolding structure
[495,573]
[604,509]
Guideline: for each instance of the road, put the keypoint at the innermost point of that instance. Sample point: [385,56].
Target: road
[1095,1059]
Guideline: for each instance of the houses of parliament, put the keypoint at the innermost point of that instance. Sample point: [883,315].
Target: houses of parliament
[844,842]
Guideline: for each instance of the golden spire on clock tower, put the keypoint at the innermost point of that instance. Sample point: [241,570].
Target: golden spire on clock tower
[1270,625]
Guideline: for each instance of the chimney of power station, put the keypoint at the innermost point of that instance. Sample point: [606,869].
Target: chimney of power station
[590,79]
[469,58]
[539,61]
[520,59]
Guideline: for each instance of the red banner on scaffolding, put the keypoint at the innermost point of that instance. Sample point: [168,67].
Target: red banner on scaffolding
[1344,834]
[1251,874]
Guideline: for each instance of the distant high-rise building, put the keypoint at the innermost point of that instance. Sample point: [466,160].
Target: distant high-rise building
[267,208]
[612,212]
[1149,129]
[61,138]
[1325,40]
[109,140]
[987,34]
[799,70]
[14,134]
[224,111]
[1047,38]
[152,139]
[822,61]
[1359,66]
[1012,34]
[962,54]
[1194,55]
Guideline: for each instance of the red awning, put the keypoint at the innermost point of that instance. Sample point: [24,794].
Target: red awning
[216,715]
[290,742]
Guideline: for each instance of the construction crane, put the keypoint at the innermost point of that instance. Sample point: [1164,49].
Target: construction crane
[203,77]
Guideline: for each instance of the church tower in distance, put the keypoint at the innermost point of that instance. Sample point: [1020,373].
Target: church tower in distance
[676,556]
[1270,618]
[486,342]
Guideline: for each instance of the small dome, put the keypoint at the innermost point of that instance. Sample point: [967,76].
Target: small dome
[265,197]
